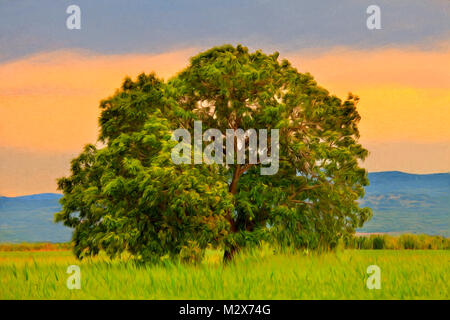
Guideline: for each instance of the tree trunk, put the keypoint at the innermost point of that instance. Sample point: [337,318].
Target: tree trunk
[230,251]
[234,182]
[229,254]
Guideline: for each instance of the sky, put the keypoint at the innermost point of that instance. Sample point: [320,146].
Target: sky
[52,78]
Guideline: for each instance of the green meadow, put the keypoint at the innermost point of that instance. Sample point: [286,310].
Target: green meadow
[257,274]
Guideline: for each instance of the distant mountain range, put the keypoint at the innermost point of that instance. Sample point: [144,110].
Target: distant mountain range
[30,219]
[412,203]
[401,203]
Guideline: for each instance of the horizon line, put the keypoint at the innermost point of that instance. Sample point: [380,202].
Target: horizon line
[414,174]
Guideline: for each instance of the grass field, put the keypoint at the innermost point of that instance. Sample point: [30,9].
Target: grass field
[405,274]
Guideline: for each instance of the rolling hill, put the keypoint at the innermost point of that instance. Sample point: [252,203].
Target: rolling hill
[411,203]
[401,202]
[30,219]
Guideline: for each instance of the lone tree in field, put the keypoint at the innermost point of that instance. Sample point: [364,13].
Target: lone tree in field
[130,196]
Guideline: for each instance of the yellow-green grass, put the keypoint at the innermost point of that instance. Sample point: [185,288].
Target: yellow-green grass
[259,274]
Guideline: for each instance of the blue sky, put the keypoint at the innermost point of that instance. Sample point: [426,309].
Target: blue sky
[115,27]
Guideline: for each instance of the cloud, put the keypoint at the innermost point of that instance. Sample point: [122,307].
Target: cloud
[411,157]
[50,101]
[405,93]
[119,27]
[25,172]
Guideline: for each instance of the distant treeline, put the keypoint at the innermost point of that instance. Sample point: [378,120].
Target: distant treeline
[363,242]
[404,241]
[35,246]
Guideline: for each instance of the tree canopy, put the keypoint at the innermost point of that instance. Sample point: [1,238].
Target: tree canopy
[128,195]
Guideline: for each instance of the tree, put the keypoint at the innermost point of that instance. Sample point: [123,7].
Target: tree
[312,200]
[129,196]
[128,190]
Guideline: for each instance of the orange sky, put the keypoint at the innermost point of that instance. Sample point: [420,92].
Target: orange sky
[49,106]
